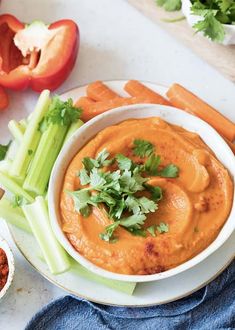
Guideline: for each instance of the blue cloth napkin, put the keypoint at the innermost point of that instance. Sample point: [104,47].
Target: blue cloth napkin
[212,307]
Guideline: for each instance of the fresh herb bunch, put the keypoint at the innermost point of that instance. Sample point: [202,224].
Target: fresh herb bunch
[117,190]
[214,14]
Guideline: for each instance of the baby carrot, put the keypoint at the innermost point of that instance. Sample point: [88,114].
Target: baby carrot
[135,88]
[98,91]
[181,98]
[4,100]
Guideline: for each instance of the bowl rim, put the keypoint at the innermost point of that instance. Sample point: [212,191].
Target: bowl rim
[116,116]
[11,264]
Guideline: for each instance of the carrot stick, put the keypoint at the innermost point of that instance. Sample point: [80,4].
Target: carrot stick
[100,92]
[4,100]
[184,99]
[135,88]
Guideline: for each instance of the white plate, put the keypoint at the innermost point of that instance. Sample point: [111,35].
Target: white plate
[146,294]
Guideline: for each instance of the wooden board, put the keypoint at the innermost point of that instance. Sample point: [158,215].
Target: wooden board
[219,56]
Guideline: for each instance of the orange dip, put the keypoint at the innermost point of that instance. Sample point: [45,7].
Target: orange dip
[195,205]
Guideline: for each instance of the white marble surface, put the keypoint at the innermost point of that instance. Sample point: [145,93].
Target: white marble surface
[116,42]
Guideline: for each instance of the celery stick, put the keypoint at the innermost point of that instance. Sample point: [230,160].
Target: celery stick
[23,124]
[31,138]
[38,218]
[11,153]
[126,287]
[72,129]
[5,165]
[9,184]
[44,159]
[13,215]
[16,130]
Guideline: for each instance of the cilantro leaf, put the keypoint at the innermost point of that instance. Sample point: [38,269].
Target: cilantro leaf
[102,158]
[163,228]
[81,200]
[137,232]
[170,171]
[152,163]
[103,197]
[97,180]
[60,112]
[156,192]
[90,163]
[152,230]
[84,177]
[124,163]
[169,5]
[3,150]
[109,231]
[210,27]
[134,221]
[143,148]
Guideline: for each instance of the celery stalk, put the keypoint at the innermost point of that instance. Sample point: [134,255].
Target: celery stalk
[13,215]
[16,130]
[44,159]
[126,287]
[23,124]
[9,184]
[38,218]
[31,138]
[5,165]
[72,129]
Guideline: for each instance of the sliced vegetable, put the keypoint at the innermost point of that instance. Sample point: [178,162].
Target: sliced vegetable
[38,218]
[4,100]
[31,138]
[10,185]
[16,130]
[13,215]
[55,125]
[135,88]
[181,98]
[36,55]
[72,129]
[98,91]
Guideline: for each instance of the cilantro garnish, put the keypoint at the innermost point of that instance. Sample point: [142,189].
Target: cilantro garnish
[169,5]
[60,112]
[3,150]
[143,148]
[161,228]
[120,191]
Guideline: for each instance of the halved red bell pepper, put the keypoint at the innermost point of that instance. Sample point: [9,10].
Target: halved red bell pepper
[36,55]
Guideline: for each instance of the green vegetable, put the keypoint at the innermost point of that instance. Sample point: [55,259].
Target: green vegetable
[31,138]
[117,189]
[10,185]
[73,128]
[13,215]
[169,5]
[143,148]
[56,122]
[3,150]
[38,218]
[17,201]
[16,130]
[161,228]
[170,171]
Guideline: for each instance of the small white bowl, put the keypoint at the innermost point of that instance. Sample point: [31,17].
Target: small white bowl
[229,38]
[89,130]
[11,264]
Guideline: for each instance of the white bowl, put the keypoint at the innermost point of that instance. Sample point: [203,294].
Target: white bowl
[89,130]
[10,259]
[229,38]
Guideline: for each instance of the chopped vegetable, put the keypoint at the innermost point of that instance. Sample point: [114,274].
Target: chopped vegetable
[16,130]
[36,55]
[137,89]
[72,129]
[4,100]
[13,215]
[31,138]
[98,91]
[10,185]
[3,150]
[181,98]
[38,218]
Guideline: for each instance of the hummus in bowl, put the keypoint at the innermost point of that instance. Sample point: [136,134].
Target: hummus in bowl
[192,218]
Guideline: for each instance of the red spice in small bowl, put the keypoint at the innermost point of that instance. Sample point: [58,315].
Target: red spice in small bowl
[4,269]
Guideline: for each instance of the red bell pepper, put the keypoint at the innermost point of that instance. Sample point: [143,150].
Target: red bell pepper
[36,55]
[4,100]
